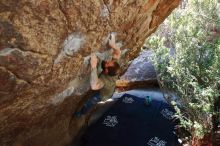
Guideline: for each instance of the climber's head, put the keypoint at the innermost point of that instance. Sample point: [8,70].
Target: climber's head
[111,68]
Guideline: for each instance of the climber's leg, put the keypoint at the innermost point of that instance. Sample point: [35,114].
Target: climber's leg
[88,105]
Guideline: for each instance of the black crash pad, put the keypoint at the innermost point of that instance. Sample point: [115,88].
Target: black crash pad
[130,122]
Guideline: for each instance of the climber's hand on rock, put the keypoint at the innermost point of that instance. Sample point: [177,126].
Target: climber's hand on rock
[111,41]
[94,61]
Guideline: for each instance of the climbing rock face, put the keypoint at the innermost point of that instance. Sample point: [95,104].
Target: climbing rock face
[43,44]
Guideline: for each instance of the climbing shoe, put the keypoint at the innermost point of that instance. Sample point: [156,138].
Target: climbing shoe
[148,100]
[77,114]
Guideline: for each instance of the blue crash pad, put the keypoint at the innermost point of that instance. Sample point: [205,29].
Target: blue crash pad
[130,122]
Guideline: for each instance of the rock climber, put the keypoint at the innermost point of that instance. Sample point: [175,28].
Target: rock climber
[105,69]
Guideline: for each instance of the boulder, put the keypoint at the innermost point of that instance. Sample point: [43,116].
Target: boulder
[140,73]
[43,44]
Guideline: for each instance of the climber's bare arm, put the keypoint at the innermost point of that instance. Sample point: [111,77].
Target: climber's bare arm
[116,50]
[95,82]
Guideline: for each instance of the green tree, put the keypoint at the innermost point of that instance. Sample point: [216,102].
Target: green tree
[193,71]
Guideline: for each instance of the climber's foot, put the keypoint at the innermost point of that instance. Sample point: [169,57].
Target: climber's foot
[77,114]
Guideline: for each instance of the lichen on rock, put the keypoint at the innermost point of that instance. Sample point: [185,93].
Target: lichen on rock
[73,43]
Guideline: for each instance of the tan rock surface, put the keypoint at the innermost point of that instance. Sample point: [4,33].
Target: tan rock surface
[42,47]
